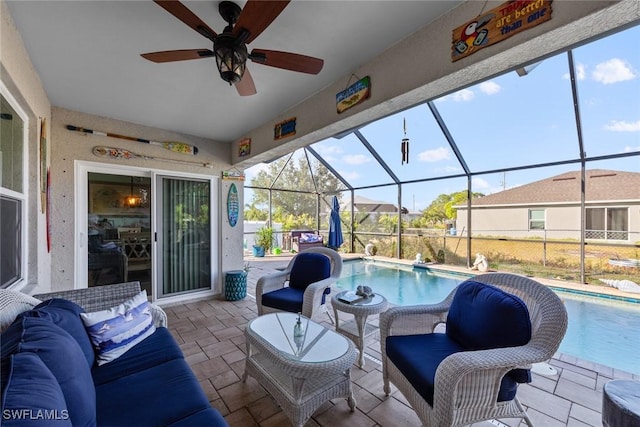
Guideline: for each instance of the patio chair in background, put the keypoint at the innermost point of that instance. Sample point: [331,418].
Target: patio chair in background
[497,325]
[301,287]
[137,248]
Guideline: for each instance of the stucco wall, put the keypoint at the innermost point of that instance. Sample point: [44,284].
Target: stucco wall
[562,221]
[69,146]
[55,270]
[22,81]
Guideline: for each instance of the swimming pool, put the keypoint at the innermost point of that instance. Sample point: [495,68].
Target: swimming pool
[604,331]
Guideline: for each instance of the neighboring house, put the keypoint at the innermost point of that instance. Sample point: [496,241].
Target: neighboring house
[550,208]
[362,204]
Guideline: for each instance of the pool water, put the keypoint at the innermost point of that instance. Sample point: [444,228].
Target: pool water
[600,330]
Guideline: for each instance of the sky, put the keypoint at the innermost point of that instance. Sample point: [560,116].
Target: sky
[508,121]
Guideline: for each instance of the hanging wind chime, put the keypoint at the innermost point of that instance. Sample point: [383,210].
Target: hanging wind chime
[405,143]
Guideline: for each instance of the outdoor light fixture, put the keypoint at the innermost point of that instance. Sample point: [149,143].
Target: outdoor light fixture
[231,57]
[132,200]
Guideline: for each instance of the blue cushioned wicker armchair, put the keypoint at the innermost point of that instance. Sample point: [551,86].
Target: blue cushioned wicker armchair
[497,325]
[303,285]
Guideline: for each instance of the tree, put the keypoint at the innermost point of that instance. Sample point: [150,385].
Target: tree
[252,213]
[443,207]
[291,208]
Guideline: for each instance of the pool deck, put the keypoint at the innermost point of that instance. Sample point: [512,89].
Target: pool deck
[211,335]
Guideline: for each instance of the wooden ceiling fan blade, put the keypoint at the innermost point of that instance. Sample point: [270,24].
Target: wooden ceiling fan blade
[287,60]
[246,87]
[181,12]
[256,16]
[177,55]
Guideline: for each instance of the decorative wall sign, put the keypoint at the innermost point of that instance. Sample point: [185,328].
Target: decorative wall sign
[353,95]
[244,148]
[284,129]
[233,174]
[233,205]
[498,24]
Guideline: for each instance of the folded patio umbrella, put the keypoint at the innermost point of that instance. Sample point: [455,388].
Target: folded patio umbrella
[335,227]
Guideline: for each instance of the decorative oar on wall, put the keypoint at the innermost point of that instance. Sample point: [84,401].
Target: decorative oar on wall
[121,153]
[177,147]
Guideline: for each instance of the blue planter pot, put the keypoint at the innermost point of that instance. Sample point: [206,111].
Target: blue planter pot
[258,251]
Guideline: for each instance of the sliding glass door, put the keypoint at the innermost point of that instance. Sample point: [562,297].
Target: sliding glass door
[183,235]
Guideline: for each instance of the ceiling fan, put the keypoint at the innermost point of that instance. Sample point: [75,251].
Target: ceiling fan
[230,47]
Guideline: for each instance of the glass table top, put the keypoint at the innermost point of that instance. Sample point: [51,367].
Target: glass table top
[312,344]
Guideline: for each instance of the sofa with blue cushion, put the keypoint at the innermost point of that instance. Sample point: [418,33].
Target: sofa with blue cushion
[51,374]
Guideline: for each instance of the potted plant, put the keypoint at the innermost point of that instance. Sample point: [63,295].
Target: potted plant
[264,239]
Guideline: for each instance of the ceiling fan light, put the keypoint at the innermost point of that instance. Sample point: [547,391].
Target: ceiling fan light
[231,58]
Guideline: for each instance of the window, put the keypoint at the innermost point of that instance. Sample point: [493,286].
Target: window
[607,223]
[536,219]
[12,192]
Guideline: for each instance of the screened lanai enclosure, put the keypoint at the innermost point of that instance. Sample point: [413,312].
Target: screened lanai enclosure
[537,169]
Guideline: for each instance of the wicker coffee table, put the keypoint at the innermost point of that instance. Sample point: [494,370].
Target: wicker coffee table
[301,372]
[358,329]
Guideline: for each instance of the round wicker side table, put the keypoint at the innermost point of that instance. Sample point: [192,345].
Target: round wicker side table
[358,329]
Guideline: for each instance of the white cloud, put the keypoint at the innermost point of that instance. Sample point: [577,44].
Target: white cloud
[489,88]
[349,176]
[463,95]
[479,184]
[356,159]
[253,171]
[436,155]
[327,150]
[629,149]
[581,72]
[622,126]
[613,71]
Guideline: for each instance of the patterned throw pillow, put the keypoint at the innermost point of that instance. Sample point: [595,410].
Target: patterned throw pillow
[12,303]
[118,329]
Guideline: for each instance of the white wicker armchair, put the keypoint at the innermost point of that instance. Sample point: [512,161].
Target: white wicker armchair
[467,383]
[314,294]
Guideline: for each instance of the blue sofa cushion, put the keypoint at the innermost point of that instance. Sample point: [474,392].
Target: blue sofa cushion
[158,396]
[482,316]
[158,348]
[62,355]
[418,358]
[66,314]
[309,268]
[31,396]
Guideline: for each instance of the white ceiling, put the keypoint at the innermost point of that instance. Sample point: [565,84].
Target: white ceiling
[87,54]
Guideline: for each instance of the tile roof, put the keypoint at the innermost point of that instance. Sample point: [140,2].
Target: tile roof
[363,204]
[601,185]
